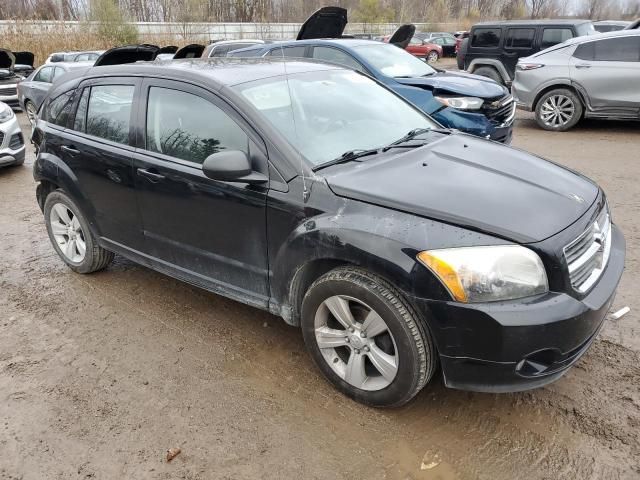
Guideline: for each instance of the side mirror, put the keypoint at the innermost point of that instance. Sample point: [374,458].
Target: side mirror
[231,166]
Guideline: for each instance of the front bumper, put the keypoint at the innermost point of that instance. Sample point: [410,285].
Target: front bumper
[12,150]
[477,123]
[519,345]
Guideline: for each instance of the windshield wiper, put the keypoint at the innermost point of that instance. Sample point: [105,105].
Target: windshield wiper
[412,134]
[347,156]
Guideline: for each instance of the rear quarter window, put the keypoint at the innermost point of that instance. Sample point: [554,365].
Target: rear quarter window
[486,37]
[59,109]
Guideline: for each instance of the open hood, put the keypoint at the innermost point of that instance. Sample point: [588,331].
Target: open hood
[327,22]
[476,184]
[193,50]
[168,49]
[403,35]
[127,54]
[24,58]
[7,59]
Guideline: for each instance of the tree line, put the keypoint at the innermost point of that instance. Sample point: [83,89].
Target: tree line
[366,11]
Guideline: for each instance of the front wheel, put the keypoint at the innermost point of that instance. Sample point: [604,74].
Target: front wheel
[366,339]
[559,110]
[432,57]
[31,111]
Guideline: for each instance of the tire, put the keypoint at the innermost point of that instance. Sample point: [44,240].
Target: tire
[461,53]
[559,110]
[489,72]
[386,367]
[31,111]
[432,57]
[68,234]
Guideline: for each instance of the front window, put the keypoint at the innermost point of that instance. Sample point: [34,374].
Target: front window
[324,114]
[393,61]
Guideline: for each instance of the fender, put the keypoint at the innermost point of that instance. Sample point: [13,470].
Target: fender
[383,241]
[490,62]
[551,83]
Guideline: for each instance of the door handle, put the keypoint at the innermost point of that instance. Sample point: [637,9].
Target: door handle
[583,65]
[151,176]
[70,150]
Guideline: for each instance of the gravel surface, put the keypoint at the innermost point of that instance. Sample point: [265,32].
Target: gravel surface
[101,374]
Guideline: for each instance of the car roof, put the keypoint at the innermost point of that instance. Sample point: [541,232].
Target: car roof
[600,36]
[506,23]
[612,22]
[241,40]
[68,65]
[216,72]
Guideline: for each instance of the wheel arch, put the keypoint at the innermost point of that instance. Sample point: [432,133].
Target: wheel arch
[491,63]
[563,84]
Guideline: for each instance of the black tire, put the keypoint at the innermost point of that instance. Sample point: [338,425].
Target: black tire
[489,72]
[570,95]
[416,353]
[95,257]
[432,57]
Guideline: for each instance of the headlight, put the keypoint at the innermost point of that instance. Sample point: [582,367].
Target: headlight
[487,274]
[461,103]
[6,113]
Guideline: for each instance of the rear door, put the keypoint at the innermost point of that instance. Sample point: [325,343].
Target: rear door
[98,147]
[518,42]
[211,232]
[608,72]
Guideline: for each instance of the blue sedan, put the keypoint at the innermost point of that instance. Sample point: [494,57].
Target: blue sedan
[466,102]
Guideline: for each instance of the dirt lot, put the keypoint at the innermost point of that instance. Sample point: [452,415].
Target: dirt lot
[101,374]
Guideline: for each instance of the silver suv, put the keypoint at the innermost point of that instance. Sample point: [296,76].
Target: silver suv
[595,77]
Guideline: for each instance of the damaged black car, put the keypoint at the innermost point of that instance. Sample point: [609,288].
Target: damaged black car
[401,249]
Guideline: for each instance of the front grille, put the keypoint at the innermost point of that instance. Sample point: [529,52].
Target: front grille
[8,91]
[587,255]
[16,141]
[501,111]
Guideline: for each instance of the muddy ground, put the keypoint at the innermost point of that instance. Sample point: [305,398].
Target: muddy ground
[101,374]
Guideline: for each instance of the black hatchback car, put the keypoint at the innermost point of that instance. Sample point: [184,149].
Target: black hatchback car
[315,193]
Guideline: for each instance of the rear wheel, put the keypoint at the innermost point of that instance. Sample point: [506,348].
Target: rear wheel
[432,57]
[489,72]
[366,339]
[71,237]
[559,110]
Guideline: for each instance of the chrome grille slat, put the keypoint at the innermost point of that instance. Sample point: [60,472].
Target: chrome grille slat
[587,255]
[7,92]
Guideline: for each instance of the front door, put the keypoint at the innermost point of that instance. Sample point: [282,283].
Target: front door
[212,233]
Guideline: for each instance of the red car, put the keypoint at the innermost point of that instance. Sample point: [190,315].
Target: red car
[429,52]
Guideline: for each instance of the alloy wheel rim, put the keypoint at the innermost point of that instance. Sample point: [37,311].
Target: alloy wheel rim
[432,57]
[557,111]
[68,233]
[31,113]
[356,343]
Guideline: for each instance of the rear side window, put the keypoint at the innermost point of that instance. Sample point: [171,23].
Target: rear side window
[188,127]
[553,36]
[219,51]
[60,108]
[519,38]
[334,55]
[626,49]
[486,37]
[109,112]
[44,75]
[287,52]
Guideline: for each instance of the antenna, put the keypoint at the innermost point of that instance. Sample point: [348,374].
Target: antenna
[305,192]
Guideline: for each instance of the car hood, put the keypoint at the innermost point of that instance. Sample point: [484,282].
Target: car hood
[458,83]
[472,183]
[327,22]
[403,35]
[7,59]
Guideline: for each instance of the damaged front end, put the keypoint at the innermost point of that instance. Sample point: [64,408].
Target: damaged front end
[8,79]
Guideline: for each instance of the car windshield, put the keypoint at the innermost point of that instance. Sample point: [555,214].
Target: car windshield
[393,61]
[324,114]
